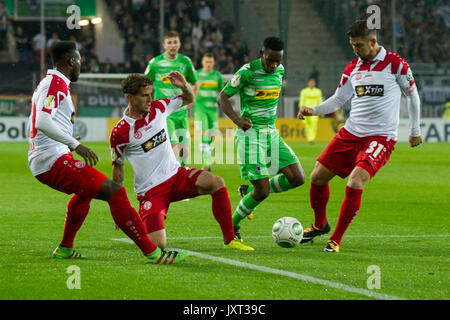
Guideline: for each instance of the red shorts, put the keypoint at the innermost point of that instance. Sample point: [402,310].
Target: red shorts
[73,176]
[153,205]
[346,151]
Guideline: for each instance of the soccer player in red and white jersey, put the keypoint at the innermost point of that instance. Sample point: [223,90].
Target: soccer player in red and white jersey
[141,136]
[51,161]
[375,80]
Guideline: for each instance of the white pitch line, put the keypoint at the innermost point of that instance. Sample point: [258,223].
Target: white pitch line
[289,274]
[347,236]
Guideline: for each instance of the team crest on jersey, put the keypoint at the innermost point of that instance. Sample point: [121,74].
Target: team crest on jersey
[138,135]
[182,69]
[370,90]
[154,141]
[235,81]
[49,102]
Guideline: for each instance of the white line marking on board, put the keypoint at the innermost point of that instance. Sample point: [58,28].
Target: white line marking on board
[289,274]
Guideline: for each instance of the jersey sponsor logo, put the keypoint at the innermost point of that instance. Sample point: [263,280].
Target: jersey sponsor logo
[370,90]
[235,81]
[209,84]
[267,93]
[165,80]
[154,141]
[49,102]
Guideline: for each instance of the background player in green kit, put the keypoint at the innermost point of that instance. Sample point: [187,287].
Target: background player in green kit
[261,151]
[205,108]
[158,68]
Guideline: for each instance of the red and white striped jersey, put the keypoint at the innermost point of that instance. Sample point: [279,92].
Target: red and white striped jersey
[52,96]
[146,145]
[376,89]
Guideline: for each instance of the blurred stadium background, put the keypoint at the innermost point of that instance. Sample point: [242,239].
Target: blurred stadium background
[128,35]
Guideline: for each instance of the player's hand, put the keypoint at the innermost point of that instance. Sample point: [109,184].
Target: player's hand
[305,111]
[177,79]
[87,154]
[244,123]
[415,141]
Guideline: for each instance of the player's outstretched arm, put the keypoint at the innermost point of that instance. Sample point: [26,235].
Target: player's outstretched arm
[224,103]
[178,80]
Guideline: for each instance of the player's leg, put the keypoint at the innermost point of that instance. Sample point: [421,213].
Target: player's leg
[208,137]
[292,174]
[311,128]
[357,180]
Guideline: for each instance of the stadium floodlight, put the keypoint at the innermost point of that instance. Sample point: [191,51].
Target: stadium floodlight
[96,20]
[83,22]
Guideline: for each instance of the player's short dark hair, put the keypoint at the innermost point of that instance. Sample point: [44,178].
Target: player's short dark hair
[273,43]
[171,34]
[359,29]
[134,82]
[61,51]
[209,55]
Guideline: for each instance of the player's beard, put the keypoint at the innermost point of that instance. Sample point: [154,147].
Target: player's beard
[74,75]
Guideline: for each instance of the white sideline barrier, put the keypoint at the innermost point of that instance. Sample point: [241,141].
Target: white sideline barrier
[14,129]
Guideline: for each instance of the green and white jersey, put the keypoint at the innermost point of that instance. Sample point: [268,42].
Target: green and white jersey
[259,92]
[210,84]
[159,67]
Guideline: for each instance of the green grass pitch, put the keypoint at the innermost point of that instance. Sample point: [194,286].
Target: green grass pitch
[402,228]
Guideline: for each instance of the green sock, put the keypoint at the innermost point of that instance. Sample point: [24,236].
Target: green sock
[244,208]
[278,184]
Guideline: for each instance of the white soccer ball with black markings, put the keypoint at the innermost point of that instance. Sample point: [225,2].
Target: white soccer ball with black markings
[287,232]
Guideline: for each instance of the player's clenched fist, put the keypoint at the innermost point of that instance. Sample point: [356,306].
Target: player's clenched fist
[415,141]
[305,111]
[243,123]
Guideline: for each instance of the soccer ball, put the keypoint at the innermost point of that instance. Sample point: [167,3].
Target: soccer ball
[287,232]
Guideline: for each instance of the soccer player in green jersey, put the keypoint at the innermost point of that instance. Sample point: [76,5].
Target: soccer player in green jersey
[158,68]
[261,151]
[205,108]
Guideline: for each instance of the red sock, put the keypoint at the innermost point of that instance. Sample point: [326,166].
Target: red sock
[77,210]
[318,197]
[221,208]
[128,220]
[349,209]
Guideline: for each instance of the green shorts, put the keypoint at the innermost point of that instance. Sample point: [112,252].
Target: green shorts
[178,127]
[262,153]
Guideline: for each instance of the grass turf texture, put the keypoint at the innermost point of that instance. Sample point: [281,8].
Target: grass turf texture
[410,196]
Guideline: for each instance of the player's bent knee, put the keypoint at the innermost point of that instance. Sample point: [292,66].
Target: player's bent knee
[218,183]
[108,189]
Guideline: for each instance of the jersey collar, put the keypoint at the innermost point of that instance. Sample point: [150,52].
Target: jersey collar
[379,57]
[59,74]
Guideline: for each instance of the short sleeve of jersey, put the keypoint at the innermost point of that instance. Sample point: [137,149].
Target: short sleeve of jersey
[149,71]
[405,78]
[345,89]
[220,81]
[118,141]
[168,106]
[238,81]
[191,75]
[51,96]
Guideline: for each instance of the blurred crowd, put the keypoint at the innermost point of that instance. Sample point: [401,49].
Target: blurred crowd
[422,28]
[421,31]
